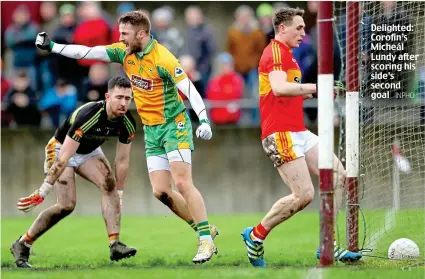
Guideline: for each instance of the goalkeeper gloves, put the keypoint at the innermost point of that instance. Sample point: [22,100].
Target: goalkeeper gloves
[204,131]
[43,42]
[27,204]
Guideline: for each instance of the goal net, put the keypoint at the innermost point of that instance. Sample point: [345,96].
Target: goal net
[390,80]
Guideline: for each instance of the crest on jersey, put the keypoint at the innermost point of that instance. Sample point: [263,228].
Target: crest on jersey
[79,133]
[178,71]
[180,125]
[142,83]
[130,137]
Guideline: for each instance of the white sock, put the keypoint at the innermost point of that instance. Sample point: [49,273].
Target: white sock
[22,240]
[206,237]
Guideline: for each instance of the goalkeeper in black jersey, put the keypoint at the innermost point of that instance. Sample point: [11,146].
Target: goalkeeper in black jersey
[75,148]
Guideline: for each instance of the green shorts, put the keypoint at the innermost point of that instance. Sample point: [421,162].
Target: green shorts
[170,136]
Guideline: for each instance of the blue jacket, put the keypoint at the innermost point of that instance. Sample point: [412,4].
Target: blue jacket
[67,102]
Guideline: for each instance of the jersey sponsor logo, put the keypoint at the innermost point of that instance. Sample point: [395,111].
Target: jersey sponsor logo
[131,62]
[79,133]
[142,83]
[178,71]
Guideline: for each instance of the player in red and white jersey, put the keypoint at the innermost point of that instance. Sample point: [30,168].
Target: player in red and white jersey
[285,139]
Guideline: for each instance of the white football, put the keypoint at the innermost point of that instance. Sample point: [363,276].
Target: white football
[403,249]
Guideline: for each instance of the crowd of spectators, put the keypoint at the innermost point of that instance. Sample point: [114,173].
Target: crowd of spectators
[42,88]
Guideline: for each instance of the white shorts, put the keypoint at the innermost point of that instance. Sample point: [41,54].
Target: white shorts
[283,147]
[52,151]
[162,162]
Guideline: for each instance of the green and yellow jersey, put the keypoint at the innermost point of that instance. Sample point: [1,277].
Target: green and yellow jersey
[154,74]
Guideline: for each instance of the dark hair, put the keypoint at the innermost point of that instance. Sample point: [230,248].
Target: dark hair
[285,16]
[118,81]
[136,18]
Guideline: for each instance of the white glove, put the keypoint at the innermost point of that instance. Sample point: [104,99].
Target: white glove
[204,131]
[120,194]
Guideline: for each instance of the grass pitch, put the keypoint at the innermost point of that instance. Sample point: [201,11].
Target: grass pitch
[78,248]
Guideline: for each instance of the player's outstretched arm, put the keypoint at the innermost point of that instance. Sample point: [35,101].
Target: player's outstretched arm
[188,89]
[68,148]
[281,87]
[121,165]
[72,51]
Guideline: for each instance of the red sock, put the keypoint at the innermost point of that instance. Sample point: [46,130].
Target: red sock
[260,232]
[113,237]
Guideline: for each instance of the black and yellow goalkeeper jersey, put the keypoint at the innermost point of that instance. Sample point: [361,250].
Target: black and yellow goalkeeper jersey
[89,125]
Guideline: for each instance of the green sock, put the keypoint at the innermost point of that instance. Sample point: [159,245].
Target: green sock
[203,228]
[192,224]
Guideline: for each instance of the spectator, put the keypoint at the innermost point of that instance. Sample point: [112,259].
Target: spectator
[19,38]
[7,8]
[190,67]
[279,5]
[6,118]
[21,101]
[92,31]
[48,13]
[5,84]
[58,101]
[166,34]
[265,16]
[64,32]
[201,42]
[227,86]
[64,67]
[49,21]
[96,85]
[246,42]
[310,15]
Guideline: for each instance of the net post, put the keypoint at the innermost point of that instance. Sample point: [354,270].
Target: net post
[352,125]
[326,131]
